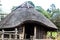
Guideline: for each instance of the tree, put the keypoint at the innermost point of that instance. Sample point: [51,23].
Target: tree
[55,15]
[48,10]
[2,13]
[41,10]
[51,9]
[56,18]
[31,3]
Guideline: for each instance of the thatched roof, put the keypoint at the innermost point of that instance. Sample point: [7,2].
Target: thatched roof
[22,13]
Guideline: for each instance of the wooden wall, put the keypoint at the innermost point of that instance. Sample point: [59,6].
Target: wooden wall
[40,33]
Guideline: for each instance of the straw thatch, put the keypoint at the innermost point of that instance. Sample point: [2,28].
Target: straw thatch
[22,13]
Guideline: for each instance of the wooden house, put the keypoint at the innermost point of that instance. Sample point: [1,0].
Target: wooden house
[25,22]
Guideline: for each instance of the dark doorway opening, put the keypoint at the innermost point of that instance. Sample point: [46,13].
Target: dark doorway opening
[29,30]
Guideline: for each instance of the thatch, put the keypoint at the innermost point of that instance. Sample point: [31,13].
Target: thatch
[23,13]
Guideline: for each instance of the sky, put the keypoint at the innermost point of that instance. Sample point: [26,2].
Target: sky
[8,4]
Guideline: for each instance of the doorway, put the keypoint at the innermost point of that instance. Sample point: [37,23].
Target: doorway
[29,30]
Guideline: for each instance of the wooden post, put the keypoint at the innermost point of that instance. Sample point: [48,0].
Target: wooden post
[2,34]
[23,31]
[10,36]
[35,32]
[15,33]
[21,36]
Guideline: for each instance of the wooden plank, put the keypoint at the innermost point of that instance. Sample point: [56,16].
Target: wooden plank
[23,31]
[10,36]
[21,36]
[15,33]
[2,34]
[35,32]
[9,31]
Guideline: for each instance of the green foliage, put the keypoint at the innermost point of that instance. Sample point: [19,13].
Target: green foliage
[53,7]
[31,3]
[41,10]
[48,10]
[56,17]
[54,34]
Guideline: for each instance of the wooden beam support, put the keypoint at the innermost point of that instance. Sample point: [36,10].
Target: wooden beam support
[2,34]
[9,31]
[15,33]
[21,36]
[10,36]
[23,31]
[35,32]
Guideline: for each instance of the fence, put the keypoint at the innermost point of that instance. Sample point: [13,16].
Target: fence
[25,39]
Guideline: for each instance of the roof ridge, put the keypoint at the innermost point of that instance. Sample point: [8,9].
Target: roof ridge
[25,5]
